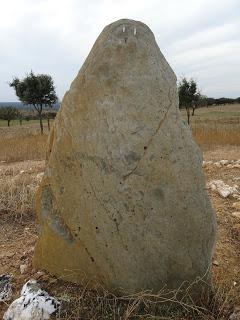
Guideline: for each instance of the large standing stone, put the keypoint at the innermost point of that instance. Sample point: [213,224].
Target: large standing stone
[123,198]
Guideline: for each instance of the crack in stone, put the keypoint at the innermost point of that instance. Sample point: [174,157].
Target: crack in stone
[110,215]
[150,140]
[101,203]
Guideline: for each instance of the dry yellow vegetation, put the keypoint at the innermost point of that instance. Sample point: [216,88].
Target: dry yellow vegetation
[19,143]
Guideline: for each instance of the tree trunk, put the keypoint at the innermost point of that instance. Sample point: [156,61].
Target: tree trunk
[188,115]
[20,122]
[8,123]
[193,111]
[39,108]
[48,122]
[41,122]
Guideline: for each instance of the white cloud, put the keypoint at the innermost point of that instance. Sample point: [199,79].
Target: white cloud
[199,38]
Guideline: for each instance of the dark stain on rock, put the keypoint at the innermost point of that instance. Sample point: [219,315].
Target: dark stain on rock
[132,157]
[49,213]
[158,193]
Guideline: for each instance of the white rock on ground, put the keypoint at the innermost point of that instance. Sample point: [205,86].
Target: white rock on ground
[223,189]
[236,214]
[218,164]
[33,304]
[223,162]
[230,164]
[207,163]
[23,268]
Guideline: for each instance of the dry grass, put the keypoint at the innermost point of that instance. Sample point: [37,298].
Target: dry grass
[31,146]
[18,184]
[99,304]
[216,126]
[210,134]
[22,143]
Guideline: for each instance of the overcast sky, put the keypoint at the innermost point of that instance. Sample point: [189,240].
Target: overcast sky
[199,38]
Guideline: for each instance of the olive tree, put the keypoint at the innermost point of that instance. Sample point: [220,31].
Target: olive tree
[8,114]
[36,90]
[189,95]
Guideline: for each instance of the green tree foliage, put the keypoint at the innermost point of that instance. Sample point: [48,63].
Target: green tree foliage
[37,90]
[8,114]
[189,95]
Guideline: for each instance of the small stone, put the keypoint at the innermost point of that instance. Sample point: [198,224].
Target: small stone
[223,162]
[39,175]
[236,214]
[236,166]
[23,268]
[215,263]
[31,250]
[223,189]
[218,164]
[207,163]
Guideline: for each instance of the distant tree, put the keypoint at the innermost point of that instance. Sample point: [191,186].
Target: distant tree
[37,90]
[210,102]
[20,117]
[189,95]
[202,101]
[223,101]
[9,114]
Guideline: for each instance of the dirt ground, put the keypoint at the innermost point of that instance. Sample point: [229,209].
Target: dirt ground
[18,234]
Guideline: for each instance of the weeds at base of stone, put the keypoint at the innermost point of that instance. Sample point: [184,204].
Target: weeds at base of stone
[99,304]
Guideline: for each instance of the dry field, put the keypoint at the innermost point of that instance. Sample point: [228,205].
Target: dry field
[22,151]
[216,126]
[19,143]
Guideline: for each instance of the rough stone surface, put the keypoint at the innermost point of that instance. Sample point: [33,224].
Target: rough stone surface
[123,198]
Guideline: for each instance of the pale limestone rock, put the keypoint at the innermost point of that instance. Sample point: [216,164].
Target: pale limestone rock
[33,304]
[236,214]
[23,268]
[223,189]
[123,198]
[223,162]
[218,164]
